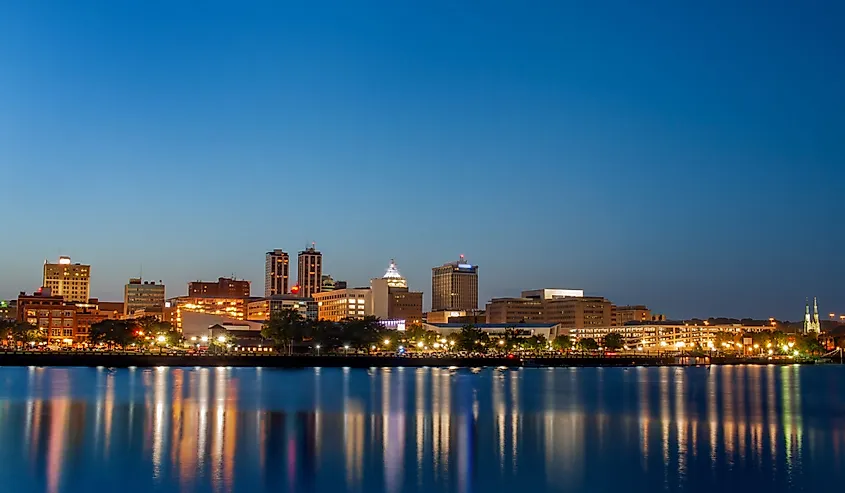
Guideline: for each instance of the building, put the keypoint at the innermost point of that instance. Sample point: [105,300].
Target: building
[811,322]
[327,283]
[143,295]
[344,303]
[664,336]
[392,300]
[454,286]
[276,273]
[622,315]
[88,314]
[549,331]
[515,310]
[224,288]
[578,312]
[263,308]
[553,293]
[70,281]
[551,306]
[309,274]
[112,306]
[231,308]
[196,325]
[50,313]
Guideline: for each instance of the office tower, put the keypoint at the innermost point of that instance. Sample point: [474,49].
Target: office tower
[70,281]
[392,300]
[276,273]
[143,295]
[454,286]
[309,274]
[224,288]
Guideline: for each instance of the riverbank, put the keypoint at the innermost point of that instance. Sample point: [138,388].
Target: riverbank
[123,360]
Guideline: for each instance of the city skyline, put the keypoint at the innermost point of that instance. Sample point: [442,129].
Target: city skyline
[257,291]
[684,156]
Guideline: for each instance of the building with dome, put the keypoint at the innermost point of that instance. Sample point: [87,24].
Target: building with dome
[392,300]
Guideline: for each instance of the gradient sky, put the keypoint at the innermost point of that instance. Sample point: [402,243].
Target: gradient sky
[685,155]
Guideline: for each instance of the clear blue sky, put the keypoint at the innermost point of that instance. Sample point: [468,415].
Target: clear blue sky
[685,155]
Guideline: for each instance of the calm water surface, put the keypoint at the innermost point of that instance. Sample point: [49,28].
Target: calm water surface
[422,430]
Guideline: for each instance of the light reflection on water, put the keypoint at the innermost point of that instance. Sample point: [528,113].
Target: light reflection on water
[402,429]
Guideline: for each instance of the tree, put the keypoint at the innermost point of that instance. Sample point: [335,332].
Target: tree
[562,342]
[471,338]
[365,332]
[587,344]
[613,341]
[535,343]
[113,332]
[21,332]
[284,328]
[809,344]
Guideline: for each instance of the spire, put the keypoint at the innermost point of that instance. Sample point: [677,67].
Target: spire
[807,322]
[817,326]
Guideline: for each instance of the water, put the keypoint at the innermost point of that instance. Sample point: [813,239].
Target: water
[422,430]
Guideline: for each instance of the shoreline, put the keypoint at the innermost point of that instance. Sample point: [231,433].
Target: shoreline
[113,360]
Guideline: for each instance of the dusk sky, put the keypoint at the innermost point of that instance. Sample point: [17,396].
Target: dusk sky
[689,156]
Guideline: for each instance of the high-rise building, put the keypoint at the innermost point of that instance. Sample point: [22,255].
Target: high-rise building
[344,303]
[224,288]
[454,286]
[143,295]
[276,273]
[309,274]
[70,281]
[392,300]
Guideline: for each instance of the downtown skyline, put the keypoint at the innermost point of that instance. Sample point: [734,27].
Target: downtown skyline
[687,157]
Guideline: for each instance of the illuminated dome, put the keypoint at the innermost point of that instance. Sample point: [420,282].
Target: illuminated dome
[394,278]
[392,271]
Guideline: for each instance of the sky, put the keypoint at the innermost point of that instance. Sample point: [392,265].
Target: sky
[689,156]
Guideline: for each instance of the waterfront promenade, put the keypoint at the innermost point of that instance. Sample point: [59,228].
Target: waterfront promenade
[129,359]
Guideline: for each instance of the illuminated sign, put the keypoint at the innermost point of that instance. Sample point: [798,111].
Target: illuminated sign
[465,266]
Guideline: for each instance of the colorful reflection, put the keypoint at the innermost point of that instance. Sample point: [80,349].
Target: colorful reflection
[396,430]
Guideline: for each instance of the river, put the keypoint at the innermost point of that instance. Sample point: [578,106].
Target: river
[253,430]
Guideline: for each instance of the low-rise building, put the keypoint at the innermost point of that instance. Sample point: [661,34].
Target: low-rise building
[622,315]
[49,313]
[225,287]
[552,306]
[234,308]
[548,331]
[654,336]
[263,308]
[88,314]
[344,303]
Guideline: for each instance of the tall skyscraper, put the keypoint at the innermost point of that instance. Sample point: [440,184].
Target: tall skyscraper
[454,286]
[70,281]
[143,295]
[392,300]
[309,274]
[276,273]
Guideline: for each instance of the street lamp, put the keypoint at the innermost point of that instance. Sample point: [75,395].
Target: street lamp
[346,348]
[386,342]
[204,339]
[318,349]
